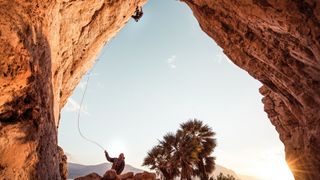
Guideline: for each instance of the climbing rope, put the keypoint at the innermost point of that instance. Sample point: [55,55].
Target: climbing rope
[79,111]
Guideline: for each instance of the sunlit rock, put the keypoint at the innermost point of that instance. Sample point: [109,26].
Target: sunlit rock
[45,49]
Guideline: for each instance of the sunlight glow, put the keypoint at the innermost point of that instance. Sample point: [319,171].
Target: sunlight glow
[116,147]
[274,167]
[275,170]
[269,164]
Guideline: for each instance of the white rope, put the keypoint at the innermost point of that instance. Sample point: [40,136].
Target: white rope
[79,111]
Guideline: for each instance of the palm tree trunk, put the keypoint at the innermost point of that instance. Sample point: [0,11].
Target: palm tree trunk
[202,171]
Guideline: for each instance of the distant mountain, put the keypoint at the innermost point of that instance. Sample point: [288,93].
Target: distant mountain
[77,170]
[246,177]
[220,169]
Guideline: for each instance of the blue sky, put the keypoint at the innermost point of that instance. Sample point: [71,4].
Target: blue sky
[158,73]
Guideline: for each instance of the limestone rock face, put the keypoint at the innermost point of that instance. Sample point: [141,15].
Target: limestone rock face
[278,43]
[63,165]
[45,48]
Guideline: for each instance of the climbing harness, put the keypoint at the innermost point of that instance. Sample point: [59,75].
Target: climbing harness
[79,111]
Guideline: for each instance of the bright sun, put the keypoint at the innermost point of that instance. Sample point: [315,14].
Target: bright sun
[275,169]
[116,147]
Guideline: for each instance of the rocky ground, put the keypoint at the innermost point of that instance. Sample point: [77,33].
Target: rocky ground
[112,175]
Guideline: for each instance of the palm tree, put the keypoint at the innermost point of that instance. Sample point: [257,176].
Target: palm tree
[174,155]
[203,137]
[161,158]
[223,177]
[188,152]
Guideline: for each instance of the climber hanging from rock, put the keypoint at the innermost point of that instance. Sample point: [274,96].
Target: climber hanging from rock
[117,163]
[137,14]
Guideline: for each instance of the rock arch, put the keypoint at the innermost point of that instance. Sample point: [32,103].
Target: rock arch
[47,46]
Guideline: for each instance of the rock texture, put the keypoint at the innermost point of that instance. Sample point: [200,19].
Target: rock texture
[126,175]
[145,176]
[92,176]
[110,175]
[278,43]
[45,48]
[63,165]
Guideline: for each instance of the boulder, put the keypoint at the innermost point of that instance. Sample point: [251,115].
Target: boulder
[145,176]
[92,176]
[110,175]
[126,176]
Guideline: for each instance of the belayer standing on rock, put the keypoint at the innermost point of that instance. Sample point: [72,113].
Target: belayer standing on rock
[117,163]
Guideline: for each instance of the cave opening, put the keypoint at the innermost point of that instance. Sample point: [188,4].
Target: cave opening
[158,73]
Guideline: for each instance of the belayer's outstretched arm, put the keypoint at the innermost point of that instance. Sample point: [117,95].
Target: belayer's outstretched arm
[108,157]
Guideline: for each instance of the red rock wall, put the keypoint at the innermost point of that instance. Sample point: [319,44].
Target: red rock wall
[278,43]
[45,48]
